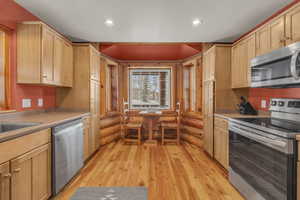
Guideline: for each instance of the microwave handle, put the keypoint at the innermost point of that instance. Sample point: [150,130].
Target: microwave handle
[294,64]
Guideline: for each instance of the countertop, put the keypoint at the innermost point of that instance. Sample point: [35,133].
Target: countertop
[233,114]
[47,119]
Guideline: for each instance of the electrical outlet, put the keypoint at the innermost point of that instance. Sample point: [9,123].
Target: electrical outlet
[26,103]
[40,102]
[263,103]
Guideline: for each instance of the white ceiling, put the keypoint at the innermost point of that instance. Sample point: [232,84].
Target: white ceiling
[153,20]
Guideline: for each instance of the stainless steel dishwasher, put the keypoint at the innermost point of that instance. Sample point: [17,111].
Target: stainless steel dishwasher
[67,156]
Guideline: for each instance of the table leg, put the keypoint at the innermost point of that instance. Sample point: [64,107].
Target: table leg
[150,139]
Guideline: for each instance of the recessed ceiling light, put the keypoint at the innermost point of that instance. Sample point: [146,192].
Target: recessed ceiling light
[197,22]
[109,22]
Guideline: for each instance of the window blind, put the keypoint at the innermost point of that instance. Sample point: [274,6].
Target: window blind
[149,89]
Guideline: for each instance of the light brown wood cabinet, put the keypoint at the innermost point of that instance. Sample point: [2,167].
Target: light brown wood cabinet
[242,53]
[43,56]
[86,137]
[208,113]
[85,93]
[5,176]
[292,28]
[31,175]
[221,141]
[25,172]
[217,93]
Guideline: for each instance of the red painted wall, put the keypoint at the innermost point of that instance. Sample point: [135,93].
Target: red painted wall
[150,51]
[10,14]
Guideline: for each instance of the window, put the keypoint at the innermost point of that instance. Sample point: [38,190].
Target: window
[189,88]
[3,70]
[112,88]
[149,88]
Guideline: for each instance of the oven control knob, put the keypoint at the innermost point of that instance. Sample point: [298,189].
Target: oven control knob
[281,103]
[274,103]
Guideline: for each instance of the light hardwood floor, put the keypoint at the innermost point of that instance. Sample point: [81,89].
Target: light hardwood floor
[170,172]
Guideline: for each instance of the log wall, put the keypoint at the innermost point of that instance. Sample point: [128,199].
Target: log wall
[110,128]
[192,128]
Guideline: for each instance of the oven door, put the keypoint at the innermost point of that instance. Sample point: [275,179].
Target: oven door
[258,169]
[274,71]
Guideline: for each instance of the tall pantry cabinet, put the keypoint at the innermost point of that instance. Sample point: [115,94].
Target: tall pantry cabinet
[85,94]
[217,93]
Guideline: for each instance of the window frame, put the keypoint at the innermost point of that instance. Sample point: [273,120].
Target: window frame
[5,100]
[149,68]
[192,101]
[110,68]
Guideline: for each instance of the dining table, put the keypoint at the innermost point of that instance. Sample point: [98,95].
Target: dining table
[150,118]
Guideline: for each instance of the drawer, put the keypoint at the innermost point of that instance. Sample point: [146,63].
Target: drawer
[221,123]
[21,145]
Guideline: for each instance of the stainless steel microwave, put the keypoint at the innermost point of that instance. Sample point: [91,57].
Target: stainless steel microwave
[280,68]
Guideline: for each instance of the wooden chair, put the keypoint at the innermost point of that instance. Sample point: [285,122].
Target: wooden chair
[132,127]
[172,125]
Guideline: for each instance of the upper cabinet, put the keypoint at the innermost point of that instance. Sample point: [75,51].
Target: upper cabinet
[242,53]
[270,37]
[292,28]
[277,33]
[43,56]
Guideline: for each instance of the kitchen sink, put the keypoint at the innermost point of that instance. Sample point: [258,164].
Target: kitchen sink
[10,126]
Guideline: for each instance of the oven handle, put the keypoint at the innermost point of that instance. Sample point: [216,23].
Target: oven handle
[294,64]
[258,138]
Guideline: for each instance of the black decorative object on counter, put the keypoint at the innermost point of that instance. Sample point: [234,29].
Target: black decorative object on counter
[245,108]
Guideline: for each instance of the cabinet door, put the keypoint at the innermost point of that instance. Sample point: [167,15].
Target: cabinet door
[4,182]
[221,146]
[277,34]
[208,110]
[292,23]
[263,40]
[68,67]
[235,67]
[31,175]
[47,56]
[95,65]
[58,60]
[209,64]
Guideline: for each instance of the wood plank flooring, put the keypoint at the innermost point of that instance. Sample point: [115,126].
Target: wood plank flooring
[170,172]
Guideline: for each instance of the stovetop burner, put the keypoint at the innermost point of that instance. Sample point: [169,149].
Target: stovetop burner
[281,125]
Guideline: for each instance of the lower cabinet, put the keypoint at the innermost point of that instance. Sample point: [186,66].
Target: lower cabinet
[86,137]
[31,175]
[5,181]
[221,141]
[26,173]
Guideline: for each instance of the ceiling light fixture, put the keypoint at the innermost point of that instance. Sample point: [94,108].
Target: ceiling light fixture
[197,22]
[109,22]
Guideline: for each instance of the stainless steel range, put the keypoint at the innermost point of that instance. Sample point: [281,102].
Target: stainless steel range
[263,152]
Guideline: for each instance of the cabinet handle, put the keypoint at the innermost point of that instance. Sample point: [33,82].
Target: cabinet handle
[44,76]
[287,38]
[17,170]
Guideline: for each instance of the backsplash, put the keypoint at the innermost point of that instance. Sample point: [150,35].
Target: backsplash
[256,95]
[11,14]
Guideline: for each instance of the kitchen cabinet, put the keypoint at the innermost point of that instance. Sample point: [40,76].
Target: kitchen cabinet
[63,63]
[25,170]
[277,29]
[50,58]
[47,67]
[271,36]
[208,112]
[86,137]
[31,175]
[95,63]
[221,139]
[217,92]
[292,28]
[242,53]
[85,93]
[5,181]
[209,63]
